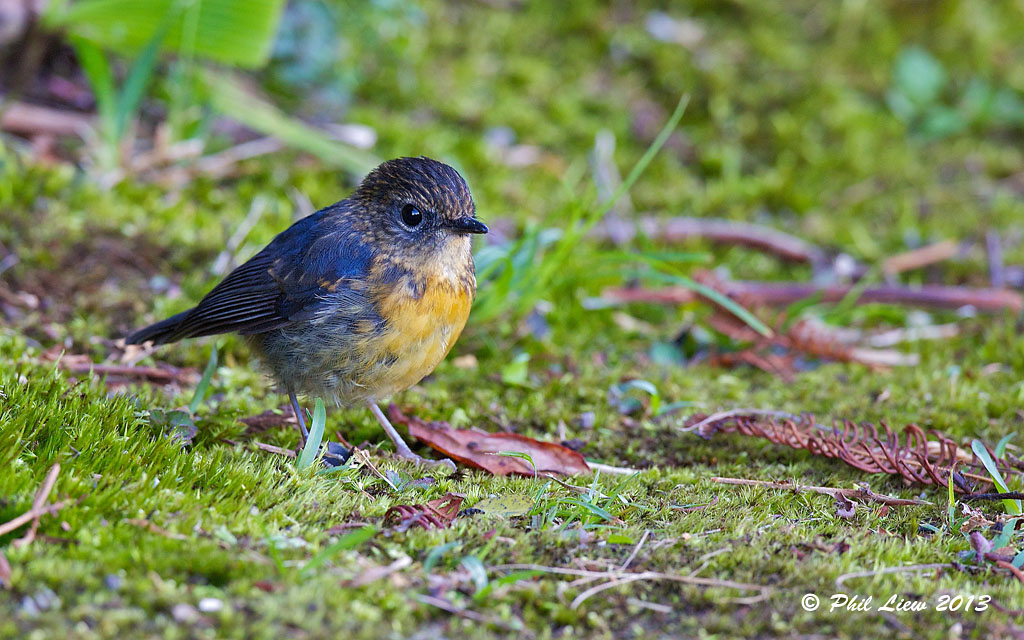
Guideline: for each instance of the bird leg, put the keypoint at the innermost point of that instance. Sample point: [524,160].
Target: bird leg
[303,432]
[403,449]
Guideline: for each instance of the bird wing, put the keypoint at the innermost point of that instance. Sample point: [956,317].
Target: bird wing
[304,265]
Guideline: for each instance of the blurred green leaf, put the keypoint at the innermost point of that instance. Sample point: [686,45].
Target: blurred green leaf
[515,372]
[204,383]
[101,79]
[234,32]
[1000,447]
[230,98]
[345,542]
[1013,507]
[940,121]
[476,570]
[620,389]
[918,76]
[508,579]
[316,435]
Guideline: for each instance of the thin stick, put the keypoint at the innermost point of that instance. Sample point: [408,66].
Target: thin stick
[737,413]
[864,494]
[755,236]
[1012,569]
[782,294]
[11,525]
[922,257]
[607,468]
[445,605]
[40,500]
[636,550]
[5,571]
[153,374]
[645,575]
[155,528]
[377,573]
[288,453]
[878,572]
[994,247]
[1006,495]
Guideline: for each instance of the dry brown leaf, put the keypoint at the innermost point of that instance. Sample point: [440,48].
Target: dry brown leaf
[480,449]
[435,514]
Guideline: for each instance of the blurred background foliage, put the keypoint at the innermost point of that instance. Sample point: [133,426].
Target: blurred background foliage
[868,128]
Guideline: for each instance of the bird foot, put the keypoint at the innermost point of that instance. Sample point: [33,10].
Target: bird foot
[407,454]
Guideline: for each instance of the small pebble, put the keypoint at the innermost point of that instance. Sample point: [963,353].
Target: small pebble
[182,612]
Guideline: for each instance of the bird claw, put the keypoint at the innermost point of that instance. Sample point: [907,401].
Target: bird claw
[426,462]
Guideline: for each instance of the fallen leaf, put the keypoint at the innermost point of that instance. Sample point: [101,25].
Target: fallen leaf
[269,419]
[506,506]
[980,544]
[480,449]
[844,507]
[435,514]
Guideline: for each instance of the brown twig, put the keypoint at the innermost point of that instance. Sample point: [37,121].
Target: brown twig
[29,515]
[994,247]
[877,572]
[269,419]
[376,573]
[616,578]
[781,294]
[5,572]
[919,258]
[269,448]
[784,245]
[1017,573]
[155,528]
[31,119]
[860,494]
[40,500]
[1006,495]
[462,612]
[158,375]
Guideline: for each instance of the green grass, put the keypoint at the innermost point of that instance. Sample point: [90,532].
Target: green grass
[787,125]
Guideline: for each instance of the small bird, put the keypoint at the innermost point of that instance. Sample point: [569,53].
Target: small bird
[357,301]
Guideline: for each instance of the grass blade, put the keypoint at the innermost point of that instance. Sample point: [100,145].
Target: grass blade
[96,67]
[1012,506]
[344,543]
[1000,448]
[520,455]
[713,295]
[648,156]
[138,79]
[504,580]
[316,435]
[204,383]
[477,571]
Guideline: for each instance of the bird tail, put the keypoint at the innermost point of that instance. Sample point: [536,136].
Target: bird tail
[160,333]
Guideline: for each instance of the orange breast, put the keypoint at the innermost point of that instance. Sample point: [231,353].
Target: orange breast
[420,332]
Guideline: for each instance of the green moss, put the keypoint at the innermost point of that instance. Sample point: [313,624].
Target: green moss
[788,125]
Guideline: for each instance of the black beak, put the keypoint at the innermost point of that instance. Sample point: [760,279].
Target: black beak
[466,225]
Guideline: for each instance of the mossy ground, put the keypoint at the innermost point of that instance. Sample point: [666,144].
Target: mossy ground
[788,125]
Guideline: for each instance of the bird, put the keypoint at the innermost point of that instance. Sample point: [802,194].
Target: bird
[358,301]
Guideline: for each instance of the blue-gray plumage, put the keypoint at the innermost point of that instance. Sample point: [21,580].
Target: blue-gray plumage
[358,300]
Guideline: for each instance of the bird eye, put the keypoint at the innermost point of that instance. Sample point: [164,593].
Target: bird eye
[411,216]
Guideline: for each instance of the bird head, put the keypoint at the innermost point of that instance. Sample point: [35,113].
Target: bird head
[418,207]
